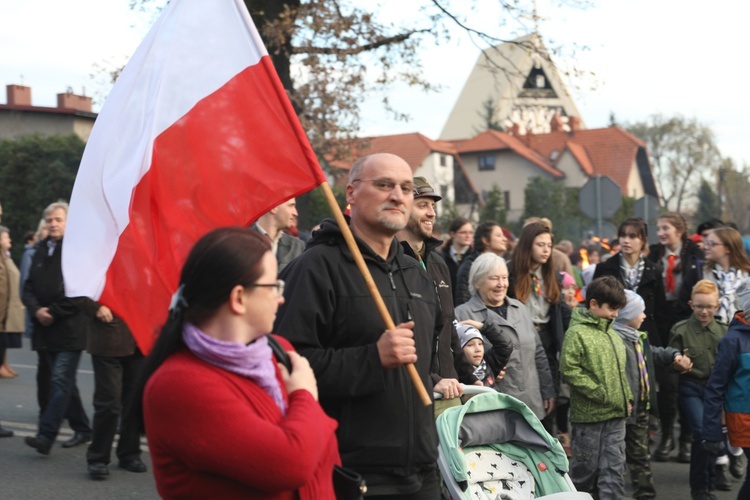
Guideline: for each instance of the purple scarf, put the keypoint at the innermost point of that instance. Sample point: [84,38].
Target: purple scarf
[253,361]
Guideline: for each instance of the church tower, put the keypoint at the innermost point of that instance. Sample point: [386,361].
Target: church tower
[514,85]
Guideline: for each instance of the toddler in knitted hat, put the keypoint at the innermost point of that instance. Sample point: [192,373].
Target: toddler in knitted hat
[569,289]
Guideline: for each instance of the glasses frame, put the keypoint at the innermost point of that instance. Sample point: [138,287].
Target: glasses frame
[711,244]
[279,285]
[704,308]
[388,185]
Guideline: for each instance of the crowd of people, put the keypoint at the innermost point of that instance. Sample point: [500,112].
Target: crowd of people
[604,345]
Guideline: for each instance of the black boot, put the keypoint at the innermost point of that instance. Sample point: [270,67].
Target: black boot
[666,444]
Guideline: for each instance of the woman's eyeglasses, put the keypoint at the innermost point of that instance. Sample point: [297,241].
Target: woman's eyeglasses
[279,285]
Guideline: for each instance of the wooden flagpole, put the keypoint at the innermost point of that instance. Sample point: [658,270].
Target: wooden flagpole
[360,261]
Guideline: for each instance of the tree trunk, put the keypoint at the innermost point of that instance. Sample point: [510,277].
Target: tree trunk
[266,13]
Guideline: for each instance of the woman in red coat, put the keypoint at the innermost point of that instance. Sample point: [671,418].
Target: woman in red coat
[222,417]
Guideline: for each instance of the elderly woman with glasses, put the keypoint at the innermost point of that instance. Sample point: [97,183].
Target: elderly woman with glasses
[527,375]
[224,418]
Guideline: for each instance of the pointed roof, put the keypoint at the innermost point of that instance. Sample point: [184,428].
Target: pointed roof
[506,74]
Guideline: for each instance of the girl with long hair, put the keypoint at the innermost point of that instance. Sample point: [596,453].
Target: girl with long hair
[678,259]
[223,418]
[534,282]
[631,268]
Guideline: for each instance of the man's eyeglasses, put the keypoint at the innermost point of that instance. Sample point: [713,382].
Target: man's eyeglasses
[387,185]
[711,244]
[279,285]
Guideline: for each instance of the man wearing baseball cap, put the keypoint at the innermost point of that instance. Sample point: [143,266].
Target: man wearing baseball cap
[449,363]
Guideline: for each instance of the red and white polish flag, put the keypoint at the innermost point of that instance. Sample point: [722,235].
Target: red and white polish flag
[197,133]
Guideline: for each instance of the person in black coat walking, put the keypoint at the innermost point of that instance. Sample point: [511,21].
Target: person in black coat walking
[59,337]
[118,365]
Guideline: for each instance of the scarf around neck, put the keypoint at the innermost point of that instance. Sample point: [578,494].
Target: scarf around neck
[630,334]
[253,361]
[626,332]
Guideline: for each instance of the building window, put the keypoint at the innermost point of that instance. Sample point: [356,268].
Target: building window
[506,195]
[487,162]
[444,191]
[443,161]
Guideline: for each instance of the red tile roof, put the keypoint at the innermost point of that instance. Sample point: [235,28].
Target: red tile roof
[611,151]
[492,140]
[608,151]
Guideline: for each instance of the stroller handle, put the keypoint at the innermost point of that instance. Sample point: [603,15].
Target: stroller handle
[468,390]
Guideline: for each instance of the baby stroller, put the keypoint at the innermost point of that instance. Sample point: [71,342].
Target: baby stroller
[494,447]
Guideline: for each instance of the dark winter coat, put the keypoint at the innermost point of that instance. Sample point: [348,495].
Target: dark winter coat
[462,288]
[385,433]
[44,288]
[728,388]
[449,360]
[112,339]
[691,267]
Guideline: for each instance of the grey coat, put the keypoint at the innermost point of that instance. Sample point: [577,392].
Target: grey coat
[659,356]
[527,375]
[288,249]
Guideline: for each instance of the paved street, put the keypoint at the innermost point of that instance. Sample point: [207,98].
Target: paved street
[62,475]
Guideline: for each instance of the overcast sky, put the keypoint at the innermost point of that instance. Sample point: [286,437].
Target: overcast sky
[663,56]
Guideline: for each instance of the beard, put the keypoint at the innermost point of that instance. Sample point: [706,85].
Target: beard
[388,223]
[416,229]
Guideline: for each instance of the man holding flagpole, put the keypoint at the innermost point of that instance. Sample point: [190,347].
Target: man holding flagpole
[385,433]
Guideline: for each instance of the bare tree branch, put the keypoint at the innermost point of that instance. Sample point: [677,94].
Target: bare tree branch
[359,49]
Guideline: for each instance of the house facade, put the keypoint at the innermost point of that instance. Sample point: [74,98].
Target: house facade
[465,171]
[19,118]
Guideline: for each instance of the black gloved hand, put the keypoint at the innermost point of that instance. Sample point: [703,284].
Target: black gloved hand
[714,447]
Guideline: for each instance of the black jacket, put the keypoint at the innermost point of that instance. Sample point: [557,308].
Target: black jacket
[111,340]
[449,360]
[651,289]
[452,264]
[44,288]
[691,267]
[462,289]
[385,433]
